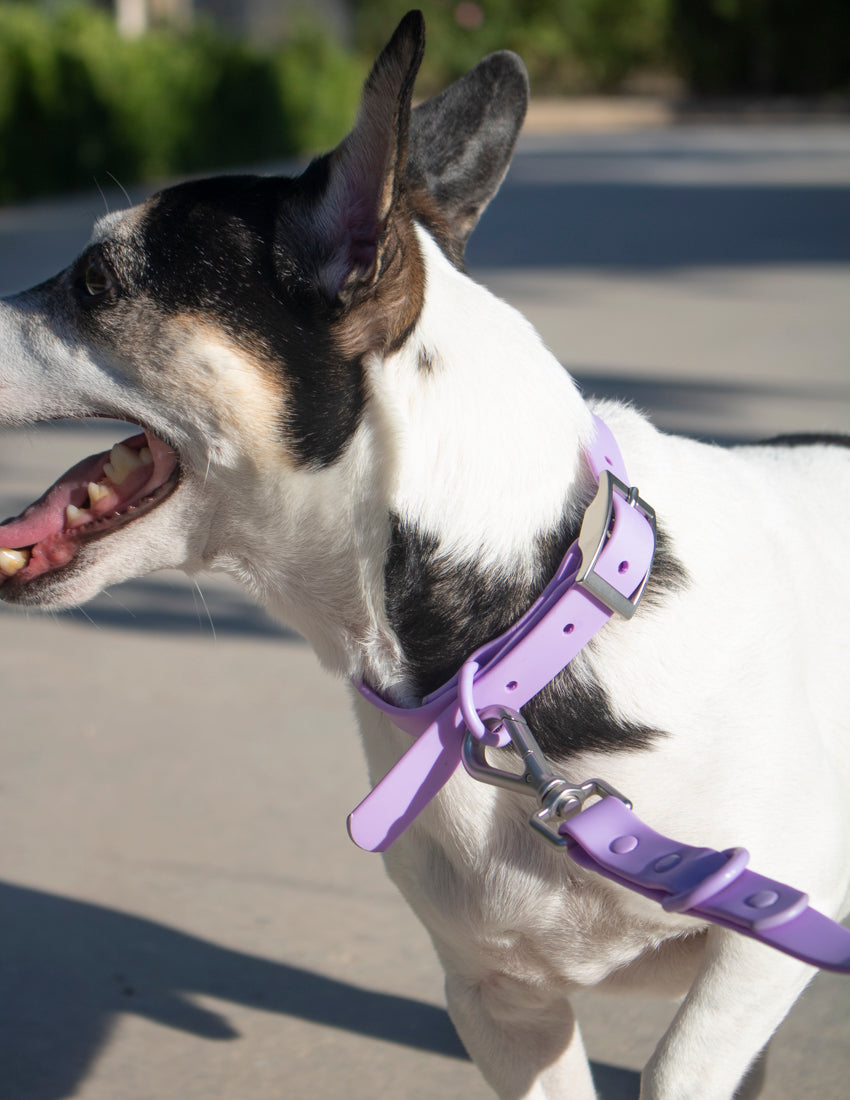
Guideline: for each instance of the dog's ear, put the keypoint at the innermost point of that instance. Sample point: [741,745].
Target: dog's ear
[366,171]
[461,141]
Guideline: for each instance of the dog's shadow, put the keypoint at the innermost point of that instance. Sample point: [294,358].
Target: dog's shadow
[69,968]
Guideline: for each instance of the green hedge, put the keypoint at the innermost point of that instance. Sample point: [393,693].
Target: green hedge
[568,45]
[765,47]
[78,103]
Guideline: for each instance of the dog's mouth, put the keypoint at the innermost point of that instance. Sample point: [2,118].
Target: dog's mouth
[93,499]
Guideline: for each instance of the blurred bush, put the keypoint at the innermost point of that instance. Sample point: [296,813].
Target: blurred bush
[719,47]
[567,45]
[78,102]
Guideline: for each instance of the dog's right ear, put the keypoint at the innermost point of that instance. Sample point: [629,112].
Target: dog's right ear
[461,141]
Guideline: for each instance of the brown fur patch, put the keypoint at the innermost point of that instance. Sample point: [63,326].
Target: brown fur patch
[386,309]
[197,367]
[428,211]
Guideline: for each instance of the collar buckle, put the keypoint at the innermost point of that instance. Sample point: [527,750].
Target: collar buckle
[596,530]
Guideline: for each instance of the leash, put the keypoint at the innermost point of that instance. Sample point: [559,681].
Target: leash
[611,840]
[603,573]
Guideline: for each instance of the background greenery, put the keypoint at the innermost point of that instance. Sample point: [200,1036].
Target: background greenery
[726,47]
[568,45]
[77,102]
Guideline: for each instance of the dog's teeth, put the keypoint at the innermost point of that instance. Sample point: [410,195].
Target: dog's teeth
[98,492]
[76,517]
[145,456]
[122,462]
[12,560]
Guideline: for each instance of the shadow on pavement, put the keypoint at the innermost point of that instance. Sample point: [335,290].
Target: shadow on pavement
[69,968]
[178,608]
[615,1083]
[666,400]
[622,226]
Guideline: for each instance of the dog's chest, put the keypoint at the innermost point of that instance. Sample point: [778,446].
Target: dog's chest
[502,905]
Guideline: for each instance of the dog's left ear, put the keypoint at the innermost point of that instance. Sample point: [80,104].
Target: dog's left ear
[461,141]
[365,172]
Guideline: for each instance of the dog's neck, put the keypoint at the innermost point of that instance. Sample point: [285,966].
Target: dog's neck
[460,479]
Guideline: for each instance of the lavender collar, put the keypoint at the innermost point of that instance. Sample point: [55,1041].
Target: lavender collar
[604,572]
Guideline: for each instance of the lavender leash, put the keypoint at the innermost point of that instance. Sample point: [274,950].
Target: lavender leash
[716,886]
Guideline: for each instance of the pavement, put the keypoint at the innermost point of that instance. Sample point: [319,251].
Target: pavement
[181,913]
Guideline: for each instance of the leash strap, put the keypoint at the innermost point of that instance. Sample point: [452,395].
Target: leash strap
[603,572]
[610,839]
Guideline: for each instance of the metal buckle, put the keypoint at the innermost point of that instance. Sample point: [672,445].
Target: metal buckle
[559,799]
[594,534]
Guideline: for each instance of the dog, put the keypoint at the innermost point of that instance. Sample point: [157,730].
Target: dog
[388,457]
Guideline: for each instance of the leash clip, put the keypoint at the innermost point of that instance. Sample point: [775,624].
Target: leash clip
[559,799]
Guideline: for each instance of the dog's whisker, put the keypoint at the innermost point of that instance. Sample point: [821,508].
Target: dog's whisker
[121,188]
[124,607]
[206,608]
[102,195]
[82,611]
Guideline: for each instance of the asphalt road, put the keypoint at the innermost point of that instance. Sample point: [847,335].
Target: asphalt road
[181,913]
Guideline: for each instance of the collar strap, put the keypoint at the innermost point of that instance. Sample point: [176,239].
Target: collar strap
[603,573]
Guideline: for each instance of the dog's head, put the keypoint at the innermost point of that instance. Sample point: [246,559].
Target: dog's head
[230,320]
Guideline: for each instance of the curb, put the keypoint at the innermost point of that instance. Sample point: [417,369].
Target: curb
[588,114]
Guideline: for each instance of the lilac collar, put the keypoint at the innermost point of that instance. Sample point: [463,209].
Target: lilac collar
[603,572]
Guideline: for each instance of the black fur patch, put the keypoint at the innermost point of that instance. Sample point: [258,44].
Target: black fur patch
[426,360]
[442,610]
[808,439]
[214,248]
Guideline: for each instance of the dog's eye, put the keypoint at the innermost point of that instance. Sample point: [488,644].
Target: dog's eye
[96,280]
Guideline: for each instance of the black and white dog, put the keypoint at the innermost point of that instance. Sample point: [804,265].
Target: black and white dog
[329,409]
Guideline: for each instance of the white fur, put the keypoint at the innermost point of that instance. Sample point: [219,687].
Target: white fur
[476,421]
[743,670]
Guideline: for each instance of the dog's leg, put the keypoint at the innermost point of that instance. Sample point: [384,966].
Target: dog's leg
[525,1042]
[753,1084]
[741,995]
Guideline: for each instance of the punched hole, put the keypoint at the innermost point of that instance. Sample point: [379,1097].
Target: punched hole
[569,628]
[512,685]
[623,567]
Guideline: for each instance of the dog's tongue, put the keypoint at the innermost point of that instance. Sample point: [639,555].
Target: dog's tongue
[46,516]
